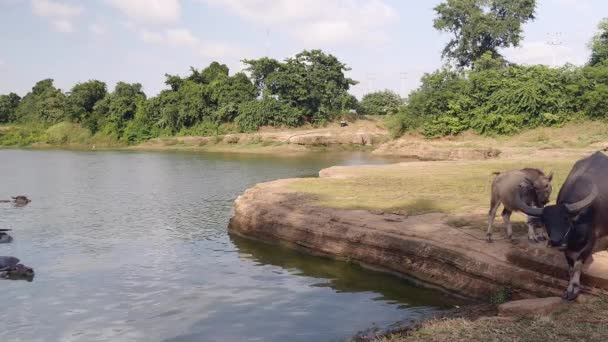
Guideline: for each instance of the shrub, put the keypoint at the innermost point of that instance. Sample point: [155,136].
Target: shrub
[266,112]
[67,133]
[380,103]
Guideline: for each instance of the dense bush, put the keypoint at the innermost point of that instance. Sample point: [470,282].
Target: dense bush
[504,98]
[380,103]
[267,112]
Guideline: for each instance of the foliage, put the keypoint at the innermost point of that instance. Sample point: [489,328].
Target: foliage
[267,112]
[500,98]
[481,26]
[8,107]
[82,99]
[380,103]
[22,135]
[44,104]
[67,133]
[311,81]
[599,44]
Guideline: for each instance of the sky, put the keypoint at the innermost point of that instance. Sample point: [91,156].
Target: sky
[389,44]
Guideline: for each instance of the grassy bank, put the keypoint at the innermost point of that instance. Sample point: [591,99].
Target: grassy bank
[419,187]
[575,322]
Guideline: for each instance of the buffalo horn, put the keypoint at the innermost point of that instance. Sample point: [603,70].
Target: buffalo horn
[574,208]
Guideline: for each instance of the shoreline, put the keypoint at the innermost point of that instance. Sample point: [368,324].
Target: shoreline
[446,249]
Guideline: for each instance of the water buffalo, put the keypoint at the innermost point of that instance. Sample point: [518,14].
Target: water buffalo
[4,237]
[10,268]
[532,185]
[18,201]
[578,221]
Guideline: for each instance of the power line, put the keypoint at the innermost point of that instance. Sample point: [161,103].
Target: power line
[554,39]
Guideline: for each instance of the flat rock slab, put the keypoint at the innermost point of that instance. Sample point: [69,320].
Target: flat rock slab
[528,307]
[422,247]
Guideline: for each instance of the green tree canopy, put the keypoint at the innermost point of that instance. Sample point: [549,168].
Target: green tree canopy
[260,69]
[82,99]
[8,107]
[44,103]
[480,26]
[599,44]
[116,109]
[312,81]
[380,103]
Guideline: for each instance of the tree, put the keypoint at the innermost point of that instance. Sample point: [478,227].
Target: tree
[313,82]
[82,99]
[44,103]
[8,106]
[116,109]
[480,26]
[380,103]
[260,69]
[599,44]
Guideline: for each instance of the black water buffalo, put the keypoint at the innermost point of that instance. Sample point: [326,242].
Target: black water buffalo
[4,237]
[531,185]
[10,268]
[579,219]
[18,201]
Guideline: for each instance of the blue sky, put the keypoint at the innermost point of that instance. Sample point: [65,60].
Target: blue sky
[141,40]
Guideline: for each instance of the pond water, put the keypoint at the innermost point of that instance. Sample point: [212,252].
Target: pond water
[133,246]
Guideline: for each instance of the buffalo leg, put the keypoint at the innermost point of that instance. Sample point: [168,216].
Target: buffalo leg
[491,214]
[506,217]
[535,228]
[574,286]
[531,232]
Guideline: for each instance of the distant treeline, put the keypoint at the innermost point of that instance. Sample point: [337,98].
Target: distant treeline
[310,87]
[479,89]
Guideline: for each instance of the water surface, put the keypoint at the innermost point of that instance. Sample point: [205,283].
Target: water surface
[132,246]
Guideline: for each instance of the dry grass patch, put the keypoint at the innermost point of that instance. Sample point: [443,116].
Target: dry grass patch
[577,322]
[419,187]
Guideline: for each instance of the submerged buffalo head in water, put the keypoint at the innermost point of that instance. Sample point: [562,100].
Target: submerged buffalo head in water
[18,201]
[10,268]
[21,200]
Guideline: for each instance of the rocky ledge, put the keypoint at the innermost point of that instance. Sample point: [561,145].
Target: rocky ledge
[423,248]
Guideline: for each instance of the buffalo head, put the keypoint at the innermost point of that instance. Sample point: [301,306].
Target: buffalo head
[560,219]
[540,186]
[21,200]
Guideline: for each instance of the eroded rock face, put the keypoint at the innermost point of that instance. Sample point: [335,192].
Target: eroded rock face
[422,247]
[528,307]
[429,152]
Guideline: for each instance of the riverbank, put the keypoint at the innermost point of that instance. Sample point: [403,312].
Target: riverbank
[571,322]
[424,221]
[367,134]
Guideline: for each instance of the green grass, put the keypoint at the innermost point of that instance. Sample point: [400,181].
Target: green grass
[419,187]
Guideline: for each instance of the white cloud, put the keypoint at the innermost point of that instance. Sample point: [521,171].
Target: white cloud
[149,11]
[318,21]
[52,9]
[539,52]
[60,14]
[182,37]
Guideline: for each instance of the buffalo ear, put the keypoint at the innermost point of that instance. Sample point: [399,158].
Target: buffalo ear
[525,185]
[550,176]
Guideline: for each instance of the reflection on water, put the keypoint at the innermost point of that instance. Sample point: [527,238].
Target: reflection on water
[342,276]
[132,246]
